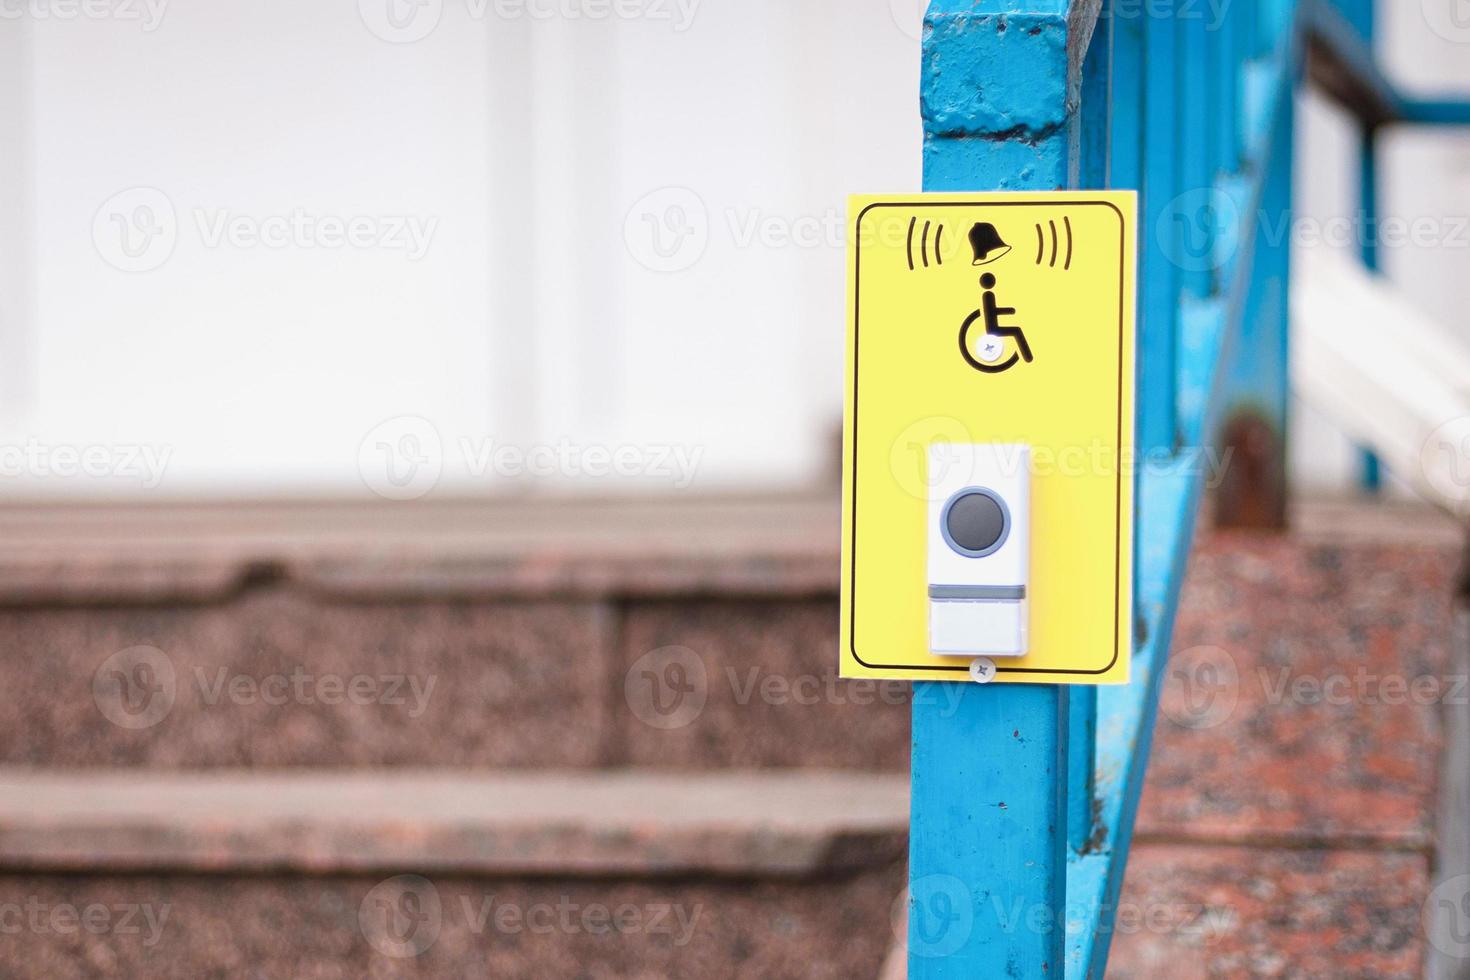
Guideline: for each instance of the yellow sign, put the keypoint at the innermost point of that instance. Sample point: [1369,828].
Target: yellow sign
[988,452]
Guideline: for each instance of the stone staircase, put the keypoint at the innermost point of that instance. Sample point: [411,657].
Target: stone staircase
[606,740]
[1292,787]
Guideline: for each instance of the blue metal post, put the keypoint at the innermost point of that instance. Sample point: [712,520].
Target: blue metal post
[1359,13]
[1198,90]
[1371,471]
[1125,149]
[990,774]
[1368,196]
[1257,394]
[1229,39]
[1169,225]
[1096,123]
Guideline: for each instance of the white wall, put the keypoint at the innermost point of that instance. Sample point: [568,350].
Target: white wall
[518,144]
[631,238]
[1425,177]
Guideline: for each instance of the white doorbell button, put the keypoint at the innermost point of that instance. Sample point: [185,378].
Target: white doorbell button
[979,548]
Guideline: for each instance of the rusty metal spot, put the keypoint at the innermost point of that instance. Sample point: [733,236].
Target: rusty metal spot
[1252,491]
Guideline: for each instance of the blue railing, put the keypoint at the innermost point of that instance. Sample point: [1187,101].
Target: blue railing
[1024,797]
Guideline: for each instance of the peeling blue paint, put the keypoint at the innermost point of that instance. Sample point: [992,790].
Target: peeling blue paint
[989,74]
[990,772]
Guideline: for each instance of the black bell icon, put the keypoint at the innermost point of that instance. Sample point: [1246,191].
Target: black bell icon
[986,243]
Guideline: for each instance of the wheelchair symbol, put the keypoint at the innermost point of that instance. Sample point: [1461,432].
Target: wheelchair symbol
[990,349]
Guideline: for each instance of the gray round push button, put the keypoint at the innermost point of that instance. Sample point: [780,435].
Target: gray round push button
[975,522]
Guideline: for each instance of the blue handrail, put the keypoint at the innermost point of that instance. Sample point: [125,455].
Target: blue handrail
[1023,797]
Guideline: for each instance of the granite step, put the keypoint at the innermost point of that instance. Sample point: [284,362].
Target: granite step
[436,874]
[777,824]
[510,635]
[638,874]
[624,655]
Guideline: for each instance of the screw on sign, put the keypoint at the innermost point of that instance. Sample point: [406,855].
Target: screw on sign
[982,670]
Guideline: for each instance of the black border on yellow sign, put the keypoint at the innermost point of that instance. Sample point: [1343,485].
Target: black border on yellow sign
[1118,479]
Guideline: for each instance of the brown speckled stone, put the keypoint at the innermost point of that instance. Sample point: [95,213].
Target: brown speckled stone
[772,694]
[319,928]
[533,623]
[1220,913]
[1294,746]
[514,684]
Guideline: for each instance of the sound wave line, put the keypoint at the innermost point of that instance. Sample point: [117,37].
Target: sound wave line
[1055,238]
[923,237]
